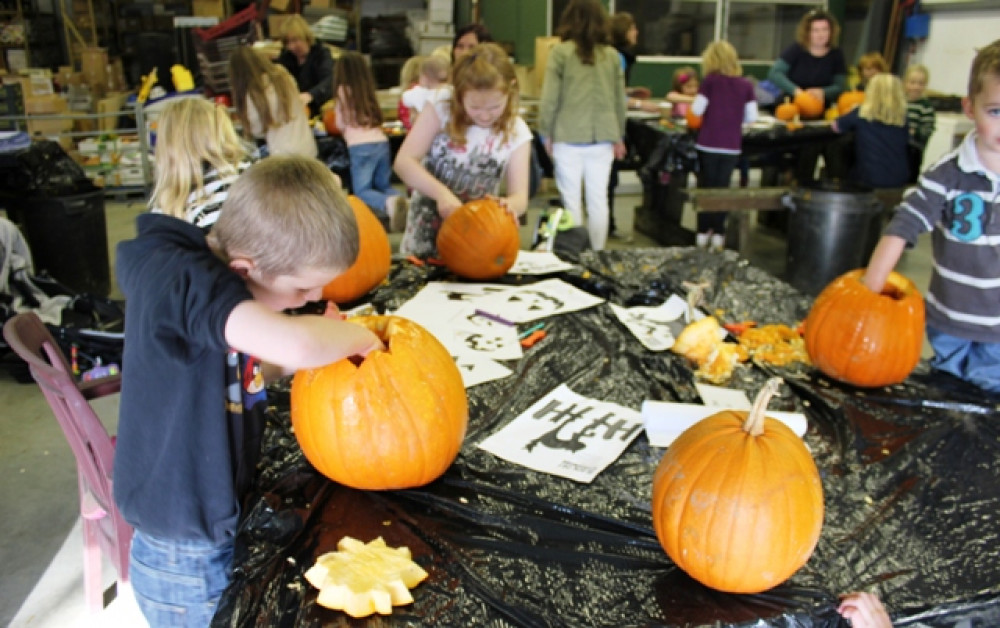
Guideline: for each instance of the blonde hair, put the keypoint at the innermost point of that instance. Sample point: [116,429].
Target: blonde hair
[986,63]
[917,67]
[192,133]
[485,67]
[436,67]
[296,27]
[287,213]
[817,15]
[250,75]
[410,72]
[721,57]
[885,100]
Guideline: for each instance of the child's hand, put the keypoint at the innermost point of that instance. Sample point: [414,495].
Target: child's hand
[502,202]
[864,610]
[620,150]
[332,311]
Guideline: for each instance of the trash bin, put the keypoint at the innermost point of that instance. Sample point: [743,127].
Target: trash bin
[831,229]
[68,237]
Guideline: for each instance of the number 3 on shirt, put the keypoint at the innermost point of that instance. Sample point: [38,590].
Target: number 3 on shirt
[968,222]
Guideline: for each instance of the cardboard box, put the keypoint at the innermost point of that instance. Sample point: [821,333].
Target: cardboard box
[275,24]
[94,66]
[319,4]
[208,8]
[279,5]
[110,106]
[542,47]
[52,104]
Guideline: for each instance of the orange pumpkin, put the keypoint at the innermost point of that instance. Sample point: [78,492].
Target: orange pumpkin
[394,421]
[480,240]
[374,258]
[737,500]
[809,106]
[857,336]
[330,121]
[693,120]
[849,100]
[787,110]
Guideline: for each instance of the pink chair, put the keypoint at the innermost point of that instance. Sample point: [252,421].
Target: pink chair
[103,527]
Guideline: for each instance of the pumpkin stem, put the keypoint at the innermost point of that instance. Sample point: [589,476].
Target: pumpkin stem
[696,294]
[754,424]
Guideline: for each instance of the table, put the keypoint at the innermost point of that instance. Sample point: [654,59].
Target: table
[911,492]
[668,155]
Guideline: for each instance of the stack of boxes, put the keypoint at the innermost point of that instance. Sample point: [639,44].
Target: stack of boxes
[432,28]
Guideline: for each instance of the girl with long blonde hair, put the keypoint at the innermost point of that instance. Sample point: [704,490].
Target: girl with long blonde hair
[880,134]
[198,154]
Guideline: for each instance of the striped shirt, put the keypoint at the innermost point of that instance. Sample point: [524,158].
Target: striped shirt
[958,200]
[920,121]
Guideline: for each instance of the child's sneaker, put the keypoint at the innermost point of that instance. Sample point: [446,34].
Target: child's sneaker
[718,242]
[399,208]
[701,240]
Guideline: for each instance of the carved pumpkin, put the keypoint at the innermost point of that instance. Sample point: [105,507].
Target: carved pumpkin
[374,258]
[809,106]
[480,240]
[693,120]
[849,100]
[866,339]
[330,121]
[394,421]
[787,110]
[737,500]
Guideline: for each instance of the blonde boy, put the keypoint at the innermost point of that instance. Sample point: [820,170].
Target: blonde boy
[203,329]
[957,200]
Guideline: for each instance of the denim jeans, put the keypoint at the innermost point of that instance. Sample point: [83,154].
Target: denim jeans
[178,583]
[371,175]
[976,362]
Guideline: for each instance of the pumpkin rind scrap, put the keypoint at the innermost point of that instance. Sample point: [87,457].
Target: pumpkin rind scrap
[394,421]
[866,339]
[738,511]
[809,106]
[786,111]
[374,258]
[480,240]
[693,120]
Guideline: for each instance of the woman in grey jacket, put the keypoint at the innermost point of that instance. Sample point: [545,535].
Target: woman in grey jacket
[582,116]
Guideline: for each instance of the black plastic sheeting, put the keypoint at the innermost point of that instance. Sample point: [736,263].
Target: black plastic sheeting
[911,491]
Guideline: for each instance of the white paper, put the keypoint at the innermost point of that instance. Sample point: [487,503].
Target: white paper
[522,304]
[719,397]
[567,435]
[480,370]
[655,327]
[538,263]
[665,421]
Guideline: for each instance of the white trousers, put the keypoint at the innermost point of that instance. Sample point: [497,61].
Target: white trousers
[586,166]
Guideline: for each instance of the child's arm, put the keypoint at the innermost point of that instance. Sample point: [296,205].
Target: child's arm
[675,97]
[295,342]
[883,260]
[408,164]
[518,179]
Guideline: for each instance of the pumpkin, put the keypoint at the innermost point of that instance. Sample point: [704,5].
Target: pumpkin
[374,258]
[786,111]
[693,120]
[480,240]
[862,338]
[395,420]
[330,121]
[849,100]
[809,106]
[737,500]
[832,113]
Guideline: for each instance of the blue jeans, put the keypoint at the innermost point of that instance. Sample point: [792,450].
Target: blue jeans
[371,175]
[976,362]
[178,583]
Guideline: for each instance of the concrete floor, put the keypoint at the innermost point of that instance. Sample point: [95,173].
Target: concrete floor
[41,550]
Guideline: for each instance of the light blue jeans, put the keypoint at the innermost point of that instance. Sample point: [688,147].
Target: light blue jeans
[371,175]
[178,583]
[976,362]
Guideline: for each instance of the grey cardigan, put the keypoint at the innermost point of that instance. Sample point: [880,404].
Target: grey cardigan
[583,104]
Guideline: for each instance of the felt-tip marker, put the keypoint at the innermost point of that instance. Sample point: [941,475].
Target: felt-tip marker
[494,317]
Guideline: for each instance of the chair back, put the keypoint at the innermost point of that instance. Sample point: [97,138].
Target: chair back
[92,446]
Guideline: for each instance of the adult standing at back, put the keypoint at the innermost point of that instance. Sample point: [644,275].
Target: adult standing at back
[308,61]
[467,38]
[815,65]
[582,113]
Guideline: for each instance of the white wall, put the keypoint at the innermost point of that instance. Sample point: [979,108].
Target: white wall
[951,45]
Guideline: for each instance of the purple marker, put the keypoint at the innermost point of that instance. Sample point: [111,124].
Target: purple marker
[494,317]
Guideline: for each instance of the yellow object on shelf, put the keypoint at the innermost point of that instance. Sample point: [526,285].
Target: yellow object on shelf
[147,84]
[181,76]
